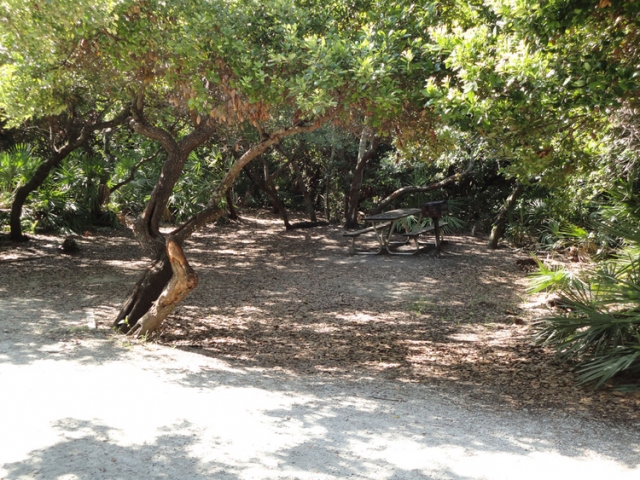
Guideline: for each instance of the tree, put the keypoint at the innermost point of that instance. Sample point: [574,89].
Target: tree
[36,83]
[73,132]
[282,68]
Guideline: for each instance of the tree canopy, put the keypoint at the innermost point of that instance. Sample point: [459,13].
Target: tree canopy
[505,104]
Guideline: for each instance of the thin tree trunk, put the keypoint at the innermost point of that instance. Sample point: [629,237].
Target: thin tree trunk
[233,213]
[353,199]
[25,190]
[267,187]
[311,211]
[329,168]
[501,222]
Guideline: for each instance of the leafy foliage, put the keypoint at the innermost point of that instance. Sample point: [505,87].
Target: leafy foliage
[601,328]
[16,167]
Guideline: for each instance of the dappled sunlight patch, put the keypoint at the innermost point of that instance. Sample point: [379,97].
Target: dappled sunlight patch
[296,302]
[380,365]
[248,310]
[129,265]
[229,252]
[326,328]
[357,317]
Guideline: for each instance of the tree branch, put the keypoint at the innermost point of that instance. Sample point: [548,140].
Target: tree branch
[401,192]
[134,169]
[213,210]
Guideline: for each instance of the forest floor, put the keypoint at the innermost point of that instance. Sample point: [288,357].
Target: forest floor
[294,305]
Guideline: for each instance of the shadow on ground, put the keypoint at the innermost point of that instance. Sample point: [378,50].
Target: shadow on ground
[296,302]
[316,429]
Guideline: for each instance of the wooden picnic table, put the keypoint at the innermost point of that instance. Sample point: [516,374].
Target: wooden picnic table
[387,223]
[384,225]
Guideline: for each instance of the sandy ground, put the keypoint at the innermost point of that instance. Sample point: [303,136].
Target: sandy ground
[79,403]
[104,409]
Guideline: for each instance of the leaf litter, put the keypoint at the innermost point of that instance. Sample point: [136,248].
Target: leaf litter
[296,302]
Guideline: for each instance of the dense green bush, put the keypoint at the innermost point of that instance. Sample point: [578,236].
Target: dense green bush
[600,328]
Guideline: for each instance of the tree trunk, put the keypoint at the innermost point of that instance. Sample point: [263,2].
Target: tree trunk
[144,293]
[311,211]
[267,187]
[25,190]
[501,222]
[353,199]
[182,279]
[233,213]
[170,278]
[327,179]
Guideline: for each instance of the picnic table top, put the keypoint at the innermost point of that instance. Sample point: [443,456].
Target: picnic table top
[393,215]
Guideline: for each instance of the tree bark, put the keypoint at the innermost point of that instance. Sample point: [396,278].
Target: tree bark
[183,279]
[353,199]
[145,292]
[170,278]
[501,222]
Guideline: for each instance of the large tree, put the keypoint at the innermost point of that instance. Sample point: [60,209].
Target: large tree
[281,67]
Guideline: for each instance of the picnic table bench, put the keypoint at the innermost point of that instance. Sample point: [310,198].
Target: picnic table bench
[415,234]
[356,233]
[384,225]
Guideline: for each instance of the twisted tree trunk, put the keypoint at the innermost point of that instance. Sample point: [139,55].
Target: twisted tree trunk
[170,278]
[182,280]
[162,286]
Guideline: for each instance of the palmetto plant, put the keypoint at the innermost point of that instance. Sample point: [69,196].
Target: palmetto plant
[16,167]
[601,326]
[454,223]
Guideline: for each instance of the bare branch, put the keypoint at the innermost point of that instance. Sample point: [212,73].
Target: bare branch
[213,210]
[401,192]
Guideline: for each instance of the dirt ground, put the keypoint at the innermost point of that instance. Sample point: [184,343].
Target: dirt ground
[297,303]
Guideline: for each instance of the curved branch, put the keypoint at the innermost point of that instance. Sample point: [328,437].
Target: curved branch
[213,211]
[140,125]
[401,192]
[133,171]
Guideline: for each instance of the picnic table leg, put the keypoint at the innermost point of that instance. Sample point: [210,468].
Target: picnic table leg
[407,229]
[436,232]
[400,243]
[380,236]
